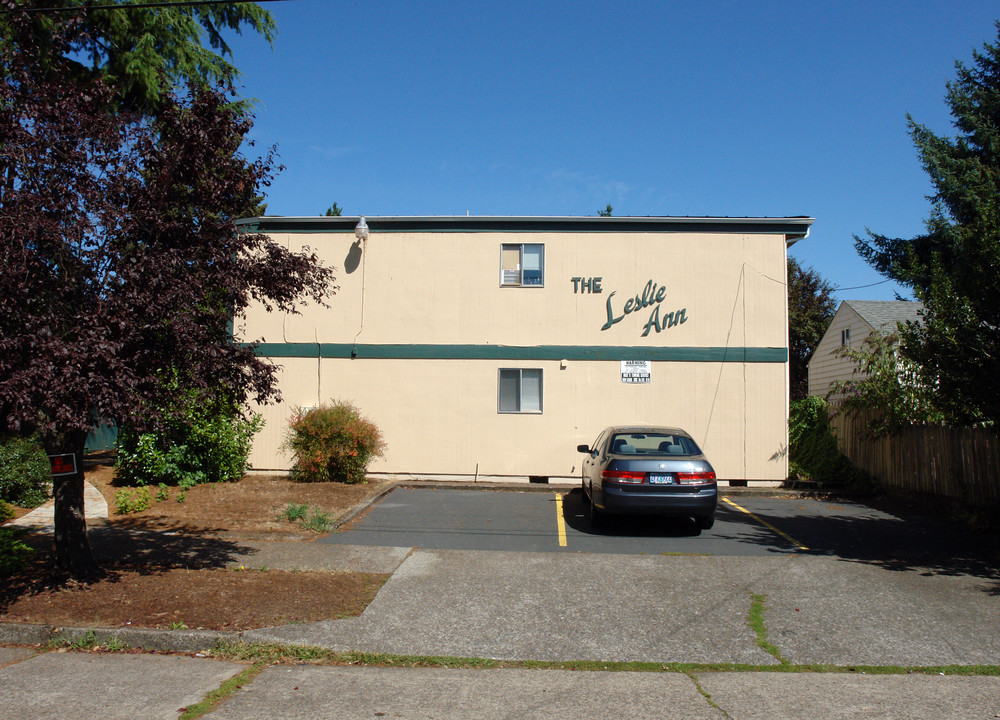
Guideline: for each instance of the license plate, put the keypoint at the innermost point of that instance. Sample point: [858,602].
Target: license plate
[661,480]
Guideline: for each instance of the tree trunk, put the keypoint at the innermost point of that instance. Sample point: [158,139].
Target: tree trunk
[73,556]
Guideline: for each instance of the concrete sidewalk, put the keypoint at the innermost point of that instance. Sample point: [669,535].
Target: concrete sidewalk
[42,518]
[65,686]
[561,607]
[543,606]
[661,609]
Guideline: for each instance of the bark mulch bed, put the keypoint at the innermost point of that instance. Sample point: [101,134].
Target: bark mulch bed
[166,567]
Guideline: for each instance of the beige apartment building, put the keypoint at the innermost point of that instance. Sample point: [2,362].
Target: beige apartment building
[491,347]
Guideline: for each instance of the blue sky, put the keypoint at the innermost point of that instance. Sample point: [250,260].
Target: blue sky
[559,108]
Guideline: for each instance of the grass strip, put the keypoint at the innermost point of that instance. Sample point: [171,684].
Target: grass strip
[274,654]
[223,692]
[755,618]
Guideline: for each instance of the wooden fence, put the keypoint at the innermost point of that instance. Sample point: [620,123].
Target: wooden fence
[960,463]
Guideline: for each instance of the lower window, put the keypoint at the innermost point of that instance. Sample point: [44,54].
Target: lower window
[519,391]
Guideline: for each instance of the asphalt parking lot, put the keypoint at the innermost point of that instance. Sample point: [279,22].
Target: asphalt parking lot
[556,520]
[837,583]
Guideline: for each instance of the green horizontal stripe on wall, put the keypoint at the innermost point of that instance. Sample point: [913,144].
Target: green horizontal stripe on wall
[516,352]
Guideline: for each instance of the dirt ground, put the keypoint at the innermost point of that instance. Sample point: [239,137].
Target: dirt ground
[165,566]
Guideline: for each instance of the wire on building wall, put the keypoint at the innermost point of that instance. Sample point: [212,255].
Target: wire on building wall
[364,254]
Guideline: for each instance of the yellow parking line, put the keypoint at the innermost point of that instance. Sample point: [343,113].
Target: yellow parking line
[560,522]
[766,524]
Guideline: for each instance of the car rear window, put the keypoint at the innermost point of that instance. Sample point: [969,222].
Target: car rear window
[653,444]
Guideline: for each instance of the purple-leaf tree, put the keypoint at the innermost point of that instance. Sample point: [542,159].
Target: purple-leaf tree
[122,268]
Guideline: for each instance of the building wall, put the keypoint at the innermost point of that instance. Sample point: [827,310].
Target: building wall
[430,326]
[825,367]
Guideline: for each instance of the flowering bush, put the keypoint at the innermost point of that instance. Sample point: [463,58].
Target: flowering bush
[332,442]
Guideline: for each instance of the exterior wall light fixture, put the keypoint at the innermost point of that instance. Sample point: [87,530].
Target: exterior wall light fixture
[361,229]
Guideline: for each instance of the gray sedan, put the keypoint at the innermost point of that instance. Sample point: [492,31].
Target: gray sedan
[649,470]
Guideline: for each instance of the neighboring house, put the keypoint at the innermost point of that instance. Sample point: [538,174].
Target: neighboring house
[492,347]
[853,322]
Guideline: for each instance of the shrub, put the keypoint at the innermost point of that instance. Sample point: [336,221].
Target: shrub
[132,501]
[886,389]
[812,448]
[24,472]
[332,442]
[13,553]
[6,512]
[205,441]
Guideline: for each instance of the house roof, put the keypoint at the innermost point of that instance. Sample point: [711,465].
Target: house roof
[884,314]
[793,228]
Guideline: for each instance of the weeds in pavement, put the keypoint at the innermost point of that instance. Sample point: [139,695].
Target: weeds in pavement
[88,643]
[705,694]
[755,618]
[227,689]
[273,653]
[113,644]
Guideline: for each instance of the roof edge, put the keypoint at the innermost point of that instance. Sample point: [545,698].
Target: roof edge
[794,228]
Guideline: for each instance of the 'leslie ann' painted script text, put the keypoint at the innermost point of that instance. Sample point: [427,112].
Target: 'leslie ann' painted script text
[651,296]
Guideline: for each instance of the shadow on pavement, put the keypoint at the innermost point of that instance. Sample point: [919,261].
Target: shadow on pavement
[886,532]
[576,514]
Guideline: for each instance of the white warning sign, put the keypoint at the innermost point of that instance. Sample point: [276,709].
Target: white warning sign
[636,371]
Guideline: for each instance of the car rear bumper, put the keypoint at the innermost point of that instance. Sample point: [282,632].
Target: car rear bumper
[642,500]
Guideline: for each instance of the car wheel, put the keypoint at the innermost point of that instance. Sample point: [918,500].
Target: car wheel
[583,491]
[595,514]
[705,522]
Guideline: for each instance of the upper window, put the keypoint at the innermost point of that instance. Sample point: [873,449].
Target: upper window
[845,337]
[519,391]
[522,265]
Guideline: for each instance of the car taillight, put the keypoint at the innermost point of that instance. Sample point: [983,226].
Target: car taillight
[691,478]
[623,476]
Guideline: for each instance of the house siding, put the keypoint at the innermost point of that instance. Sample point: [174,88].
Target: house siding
[825,367]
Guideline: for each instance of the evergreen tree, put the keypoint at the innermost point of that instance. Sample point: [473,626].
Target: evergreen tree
[810,308]
[954,267]
[138,51]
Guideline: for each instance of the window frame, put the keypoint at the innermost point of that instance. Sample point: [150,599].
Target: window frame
[520,265]
[520,391]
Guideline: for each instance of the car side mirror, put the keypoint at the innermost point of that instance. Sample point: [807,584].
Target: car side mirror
[583,448]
